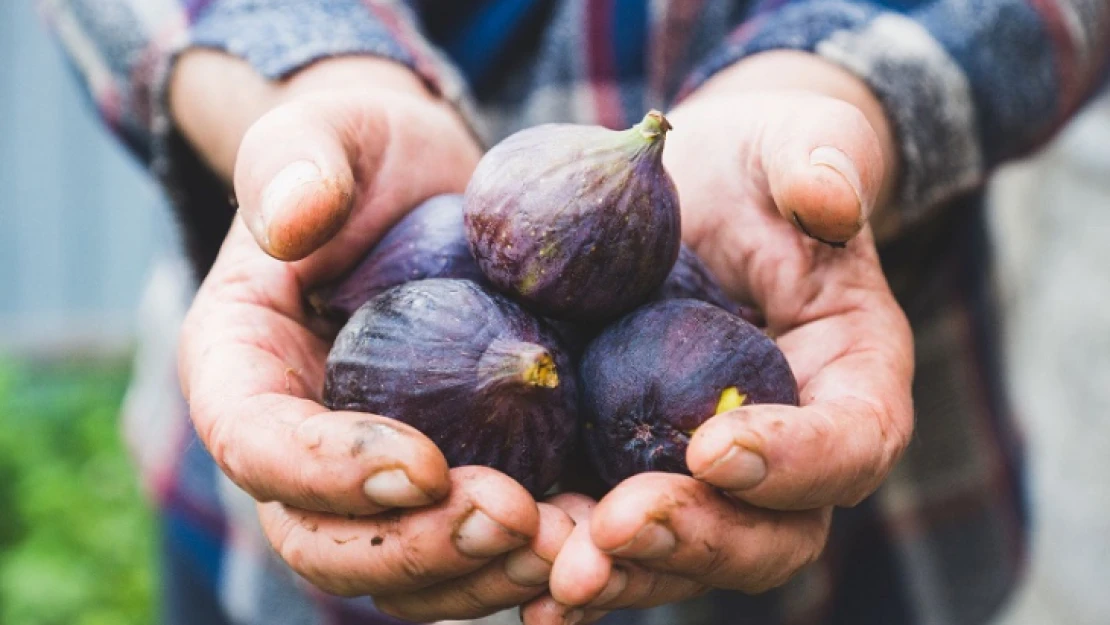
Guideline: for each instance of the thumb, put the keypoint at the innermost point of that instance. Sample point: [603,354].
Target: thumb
[293,175]
[823,164]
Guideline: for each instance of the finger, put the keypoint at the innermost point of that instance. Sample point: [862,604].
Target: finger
[487,514]
[252,374]
[823,164]
[293,177]
[337,168]
[501,584]
[581,571]
[675,524]
[546,611]
[646,589]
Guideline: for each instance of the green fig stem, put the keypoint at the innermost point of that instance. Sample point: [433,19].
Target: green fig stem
[654,125]
[517,363]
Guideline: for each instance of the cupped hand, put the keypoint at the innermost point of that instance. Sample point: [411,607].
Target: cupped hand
[357,504]
[760,175]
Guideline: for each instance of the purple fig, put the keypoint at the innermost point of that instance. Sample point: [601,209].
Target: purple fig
[577,222]
[483,378]
[650,379]
[429,242]
[691,279]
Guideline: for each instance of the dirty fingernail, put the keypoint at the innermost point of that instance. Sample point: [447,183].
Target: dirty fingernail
[481,537]
[284,185]
[526,568]
[618,581]
[736,469]
[652,541]
[392,488]
[839,162]
[574,617]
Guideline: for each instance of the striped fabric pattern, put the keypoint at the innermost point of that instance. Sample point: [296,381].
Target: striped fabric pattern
[967,84]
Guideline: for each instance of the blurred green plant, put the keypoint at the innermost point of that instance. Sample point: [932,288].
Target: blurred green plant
[76,537]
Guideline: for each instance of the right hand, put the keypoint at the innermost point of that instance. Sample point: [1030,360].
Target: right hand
[357,504]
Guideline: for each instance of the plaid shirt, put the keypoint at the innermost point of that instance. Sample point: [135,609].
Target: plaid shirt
[967,85]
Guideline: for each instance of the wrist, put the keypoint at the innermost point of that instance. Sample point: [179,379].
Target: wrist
[215,97]
[789,70]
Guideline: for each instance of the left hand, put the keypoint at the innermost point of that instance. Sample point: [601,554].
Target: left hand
[753,169]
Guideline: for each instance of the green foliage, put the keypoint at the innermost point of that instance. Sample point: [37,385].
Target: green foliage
[76,536]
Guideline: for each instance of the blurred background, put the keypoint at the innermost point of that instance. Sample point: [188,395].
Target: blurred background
[82,230]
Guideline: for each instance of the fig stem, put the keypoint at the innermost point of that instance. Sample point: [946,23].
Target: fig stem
[654,125]
[730,398]
[517,363]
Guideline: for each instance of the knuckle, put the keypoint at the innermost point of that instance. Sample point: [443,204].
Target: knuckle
[393,608]
[412,565]
[472,601]
[219,438]
[292,549]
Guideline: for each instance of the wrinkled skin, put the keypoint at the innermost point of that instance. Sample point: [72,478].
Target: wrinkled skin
[651,379]
[578,222]
[441,356]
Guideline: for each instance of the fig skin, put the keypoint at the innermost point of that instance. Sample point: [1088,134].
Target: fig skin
[652,378]
[484,379]
[577,222]
[691,279]
[428,242]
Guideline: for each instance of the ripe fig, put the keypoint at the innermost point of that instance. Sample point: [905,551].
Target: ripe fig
[691,279]
[483,378]
[429,242]
[577,222]
[650,379]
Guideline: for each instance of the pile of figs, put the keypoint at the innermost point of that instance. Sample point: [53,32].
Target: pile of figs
[548,314]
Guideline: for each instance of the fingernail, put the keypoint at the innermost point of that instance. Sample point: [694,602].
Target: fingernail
[392,488]
[839,162]
[737,469]
[526,568]
[652,541]
[479,536]
[285,183]
[618,581]
[574,617]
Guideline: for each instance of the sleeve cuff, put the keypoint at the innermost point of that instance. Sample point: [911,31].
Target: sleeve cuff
[923,90]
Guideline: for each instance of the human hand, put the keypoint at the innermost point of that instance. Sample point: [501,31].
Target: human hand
[754,167]
[357,504]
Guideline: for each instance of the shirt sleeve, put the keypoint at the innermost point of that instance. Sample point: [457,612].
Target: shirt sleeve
[123,51]
[966,85]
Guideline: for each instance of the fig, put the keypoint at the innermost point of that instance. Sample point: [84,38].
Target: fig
[484,379]
[650,379]
[429,242]
[691,279]
[577,222]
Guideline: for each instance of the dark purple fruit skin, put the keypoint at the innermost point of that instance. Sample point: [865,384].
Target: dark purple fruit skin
[657,374]
[412,353]
[577,222]
[429,242]
[691,279]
